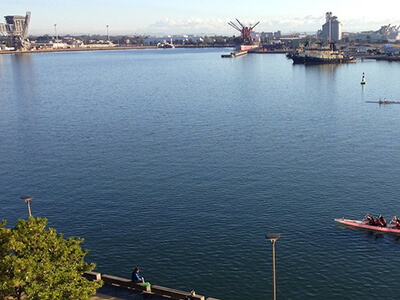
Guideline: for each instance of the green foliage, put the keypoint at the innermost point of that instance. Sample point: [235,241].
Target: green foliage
[41,264]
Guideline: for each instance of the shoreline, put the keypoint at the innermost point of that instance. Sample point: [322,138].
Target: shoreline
[102,49]
[116,48]
[76,49]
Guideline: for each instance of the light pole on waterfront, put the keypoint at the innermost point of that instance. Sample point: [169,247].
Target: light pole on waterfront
[55,31]
[27,200]
[273,238]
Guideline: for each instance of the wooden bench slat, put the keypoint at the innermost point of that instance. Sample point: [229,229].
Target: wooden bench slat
[94,276]
[174,294]
[124,282]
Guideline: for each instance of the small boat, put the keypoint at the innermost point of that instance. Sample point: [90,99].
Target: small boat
[392,227]
[230,55]
[166,45]
[384,102]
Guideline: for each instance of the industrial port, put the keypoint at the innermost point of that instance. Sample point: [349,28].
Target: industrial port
[381,44]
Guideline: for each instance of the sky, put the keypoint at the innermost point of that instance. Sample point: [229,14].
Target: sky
[206,17]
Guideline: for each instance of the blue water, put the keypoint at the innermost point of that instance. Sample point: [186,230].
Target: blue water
[179,161]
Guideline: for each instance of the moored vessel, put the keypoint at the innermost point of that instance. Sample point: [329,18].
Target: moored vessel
[321,55]
[245,42]
[240,48]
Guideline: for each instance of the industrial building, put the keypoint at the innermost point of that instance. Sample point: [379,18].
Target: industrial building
[386,33]
[14,32]
[331,30]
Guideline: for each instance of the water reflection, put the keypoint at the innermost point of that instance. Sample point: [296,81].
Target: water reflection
[369,233]
[23,74]
[377,236]
[326,68]
[363,92]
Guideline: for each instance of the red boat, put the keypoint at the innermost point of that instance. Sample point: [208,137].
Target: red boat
[392,227]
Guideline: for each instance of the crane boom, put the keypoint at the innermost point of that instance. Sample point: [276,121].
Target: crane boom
[234,26]
[245,32]
[240,23]
[252,27]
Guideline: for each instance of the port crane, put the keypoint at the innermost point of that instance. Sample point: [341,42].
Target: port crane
[244,30]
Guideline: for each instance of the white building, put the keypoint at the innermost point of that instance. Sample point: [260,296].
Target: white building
[331,30]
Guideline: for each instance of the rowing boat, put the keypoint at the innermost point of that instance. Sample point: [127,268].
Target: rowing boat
[363,224]
[384,102]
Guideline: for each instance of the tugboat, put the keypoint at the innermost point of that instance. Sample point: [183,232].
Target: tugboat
[321,55]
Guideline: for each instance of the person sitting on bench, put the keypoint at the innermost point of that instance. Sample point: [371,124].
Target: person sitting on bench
[136,277]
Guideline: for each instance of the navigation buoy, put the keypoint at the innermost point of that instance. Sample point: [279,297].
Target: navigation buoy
[363,79]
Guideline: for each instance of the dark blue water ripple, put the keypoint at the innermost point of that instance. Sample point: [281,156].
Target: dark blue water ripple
[180,161]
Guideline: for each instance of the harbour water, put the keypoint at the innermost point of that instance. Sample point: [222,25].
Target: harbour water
[180,162]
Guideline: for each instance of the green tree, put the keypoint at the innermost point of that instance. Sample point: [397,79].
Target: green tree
[39,264]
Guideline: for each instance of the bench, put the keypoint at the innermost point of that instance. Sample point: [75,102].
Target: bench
[174,294]
[155,289]
[124,282]
[93,276]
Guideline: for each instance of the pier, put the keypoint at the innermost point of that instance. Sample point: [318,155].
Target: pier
[234,54]
[119,288]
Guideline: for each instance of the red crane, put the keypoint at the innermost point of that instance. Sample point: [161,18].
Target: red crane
[245,31]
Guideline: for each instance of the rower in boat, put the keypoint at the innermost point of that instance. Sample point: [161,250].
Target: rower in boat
[396,222]
[381,221]
[384,101]
[370,219]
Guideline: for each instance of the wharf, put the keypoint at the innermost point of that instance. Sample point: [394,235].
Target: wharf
[105,48]
[388,57]
[261,51]
[118,288]
[78,49]
[363,56]
[234,54]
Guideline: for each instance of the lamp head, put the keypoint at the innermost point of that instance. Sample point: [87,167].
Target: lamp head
[26,198]
[272,237]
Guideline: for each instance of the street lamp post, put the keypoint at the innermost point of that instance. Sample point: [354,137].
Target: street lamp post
[108,34]
[55,32]
[273,238]
[28,199]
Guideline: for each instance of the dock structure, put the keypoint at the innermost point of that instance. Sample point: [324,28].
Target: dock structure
[123,289]
[230,55]
[234,54]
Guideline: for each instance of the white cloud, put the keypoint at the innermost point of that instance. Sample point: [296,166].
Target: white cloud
[219,26]
[285,24]
[193,25]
